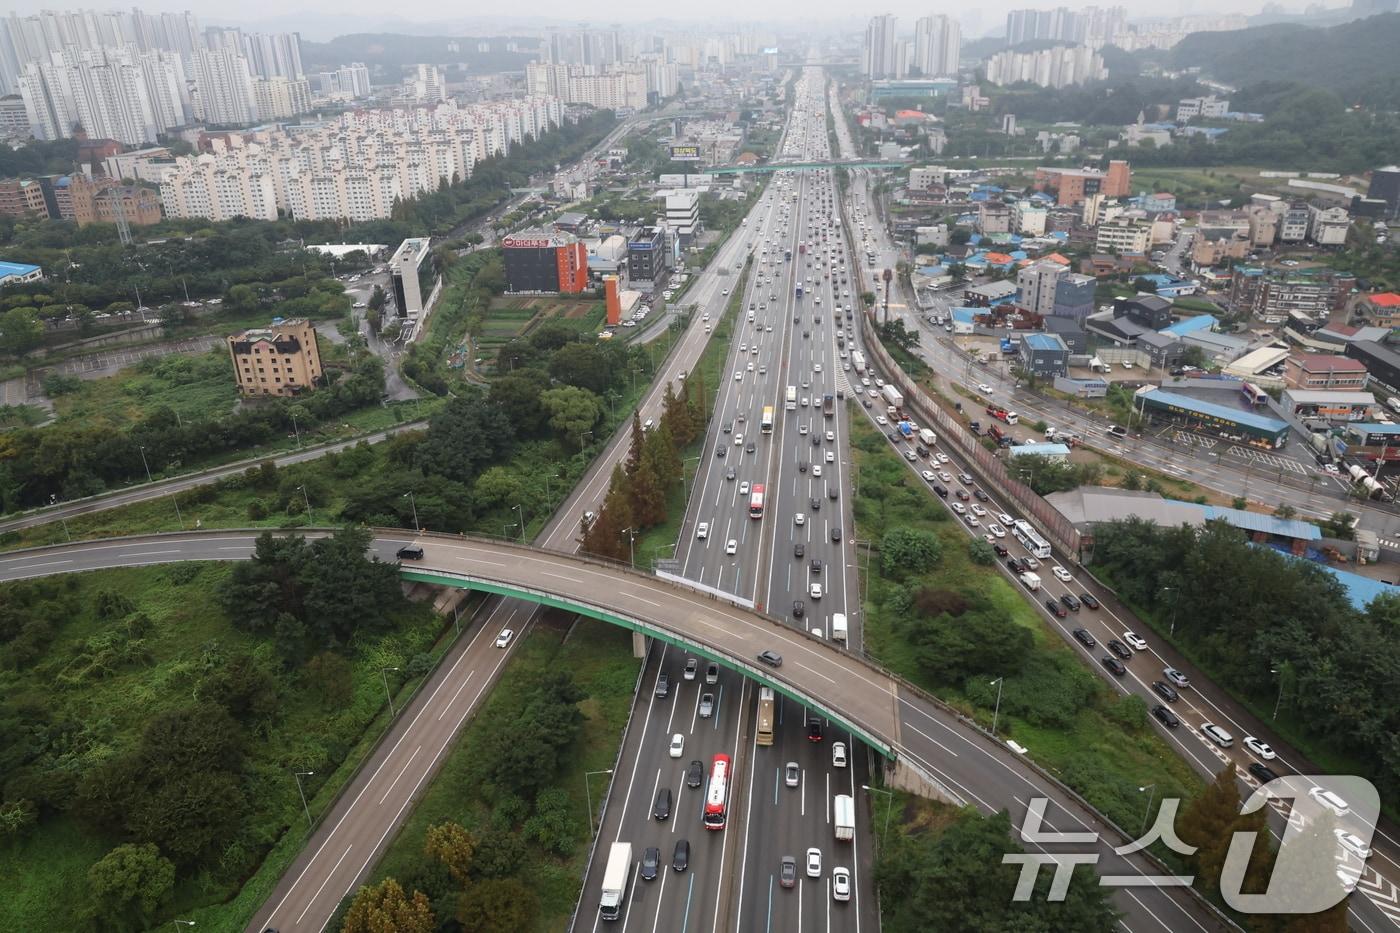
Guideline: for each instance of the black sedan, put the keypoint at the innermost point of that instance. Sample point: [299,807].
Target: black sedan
[1070,602]
[1166,717]
[651,860]
[1120,649]
[1084,638]
[1056,609]
[1114,665]
[1165,690]
[1089,600]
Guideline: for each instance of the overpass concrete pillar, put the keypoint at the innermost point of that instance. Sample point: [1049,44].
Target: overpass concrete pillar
[901,775]
[639,645]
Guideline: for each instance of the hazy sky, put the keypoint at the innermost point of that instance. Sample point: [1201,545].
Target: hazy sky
[321,19]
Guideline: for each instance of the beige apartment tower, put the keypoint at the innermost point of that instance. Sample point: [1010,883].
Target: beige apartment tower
[278,360]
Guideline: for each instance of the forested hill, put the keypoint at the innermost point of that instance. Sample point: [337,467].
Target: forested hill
[1356,59]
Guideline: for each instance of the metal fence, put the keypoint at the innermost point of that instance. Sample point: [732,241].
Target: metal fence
[1057,529]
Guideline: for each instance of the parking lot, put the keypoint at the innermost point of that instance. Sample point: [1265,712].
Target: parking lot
[1269,461]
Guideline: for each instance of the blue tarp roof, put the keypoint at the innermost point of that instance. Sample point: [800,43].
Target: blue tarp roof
[1268,524]
[965,315]
[1044,342]
[1189,325]
[1360,590]
[16,268]
[1041,450]
[1225,412]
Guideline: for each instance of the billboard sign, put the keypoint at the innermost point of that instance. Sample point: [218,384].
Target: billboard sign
[685,153]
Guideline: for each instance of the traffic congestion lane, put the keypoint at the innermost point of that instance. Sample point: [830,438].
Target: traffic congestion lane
[1194,708]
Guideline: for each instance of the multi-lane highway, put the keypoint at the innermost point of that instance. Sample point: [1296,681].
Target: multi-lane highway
[771,561]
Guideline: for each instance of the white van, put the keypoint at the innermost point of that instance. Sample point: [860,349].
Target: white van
[648,424]
[838,626]
[1217,735]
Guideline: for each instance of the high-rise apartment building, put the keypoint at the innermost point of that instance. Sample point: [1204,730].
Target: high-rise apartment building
[1061,66]
[937,46]
[354,167]
[223,87]
[112,93]
[879,53]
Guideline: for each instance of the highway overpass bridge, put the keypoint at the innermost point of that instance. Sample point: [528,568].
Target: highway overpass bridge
[929,744]
[801,166]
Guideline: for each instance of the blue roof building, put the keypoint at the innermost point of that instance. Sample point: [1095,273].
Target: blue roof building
[1190,325]
[1053,451]
[17,273]
[1210,414]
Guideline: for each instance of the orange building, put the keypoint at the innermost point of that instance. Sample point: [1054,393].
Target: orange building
[1072,185]
[613,299]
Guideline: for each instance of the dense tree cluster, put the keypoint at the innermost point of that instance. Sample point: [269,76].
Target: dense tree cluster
[70,460]
[639,488]
[313,595]
[1245,612]
[953,879]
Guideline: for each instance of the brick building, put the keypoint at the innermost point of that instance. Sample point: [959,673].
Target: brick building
[279,360]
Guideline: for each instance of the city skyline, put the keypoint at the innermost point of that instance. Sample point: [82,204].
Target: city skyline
[324,20]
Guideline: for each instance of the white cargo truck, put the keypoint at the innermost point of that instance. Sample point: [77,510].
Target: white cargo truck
[928,437]
[843,817]
[1032,581]
[615,877]
[838,626]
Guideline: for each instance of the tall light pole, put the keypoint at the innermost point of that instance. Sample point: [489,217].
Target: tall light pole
[1150,798]
[889,805]
[631,545]
[1277,672]
[996,712]
[53,500]
[384,673]
[145,464]
[588,792]
[296,430]
[414,503]
[306,500]
[299,775]
[522,523]
[685,481]
[1175,595]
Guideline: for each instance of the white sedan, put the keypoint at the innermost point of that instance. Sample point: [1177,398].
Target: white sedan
[677,745]
[744,488]
[814,863]
[503,639]
[984,388]
[928,476]
[1063,575]
[702,530]
[881,420]
[942,457]
[1259,748]
[996,530]
[945,476]
[1005,519]
[731,546]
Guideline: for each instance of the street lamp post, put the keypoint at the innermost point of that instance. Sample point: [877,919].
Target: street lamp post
[306,500]
[1173,591]
[299,775]
[296,430]
[522,523]
[414,503]
[1277,672]
[631,545]
[53,500]
[889,805]
[588,792]
[996,713]
[1147,812]
[145,464]
[685,480]
[384,673]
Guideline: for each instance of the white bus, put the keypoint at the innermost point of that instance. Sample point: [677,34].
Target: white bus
[790,403]
[858,361]
[1030,538]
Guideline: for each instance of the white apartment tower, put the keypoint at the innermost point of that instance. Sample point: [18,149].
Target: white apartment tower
[223,87]
[879,53]
[937,45]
